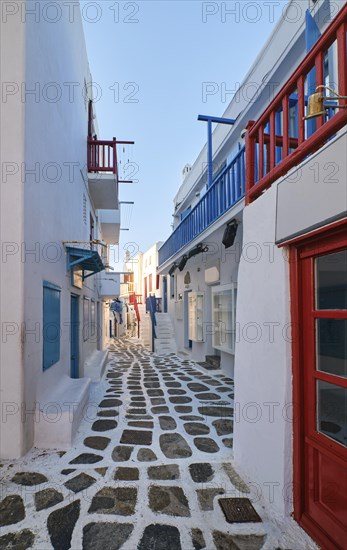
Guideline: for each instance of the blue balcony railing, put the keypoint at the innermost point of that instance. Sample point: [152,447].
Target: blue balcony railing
[227,189]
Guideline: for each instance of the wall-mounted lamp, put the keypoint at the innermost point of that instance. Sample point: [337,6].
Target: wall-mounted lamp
[183,262]
[172,270]
[230,234]
[316,106]
[199,249]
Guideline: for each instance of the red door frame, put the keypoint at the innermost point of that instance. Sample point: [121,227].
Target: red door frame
[334,235]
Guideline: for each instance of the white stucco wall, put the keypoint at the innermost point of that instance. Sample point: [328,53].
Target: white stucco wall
[262,424]
[12,54]
[227,262]
[46,203]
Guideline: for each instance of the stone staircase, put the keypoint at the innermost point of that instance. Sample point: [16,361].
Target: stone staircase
[165,342]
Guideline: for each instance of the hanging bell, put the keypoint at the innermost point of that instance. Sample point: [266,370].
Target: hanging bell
[315,106]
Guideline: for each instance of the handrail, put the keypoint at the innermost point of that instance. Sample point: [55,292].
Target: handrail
[226,190]
[272,153]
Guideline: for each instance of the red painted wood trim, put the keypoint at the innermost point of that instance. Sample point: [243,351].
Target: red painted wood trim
[279,140]
[272,140]
[319,81]
[285,129]
[250,156]
[305,66]
[342,65]
[301,109]
[298,431]
[261,153]
[340,224]
[311,145]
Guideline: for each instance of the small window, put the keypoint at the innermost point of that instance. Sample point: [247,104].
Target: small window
[86,303]
[51,325]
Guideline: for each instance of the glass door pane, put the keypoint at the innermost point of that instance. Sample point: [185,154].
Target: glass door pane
[332,411]
[331,352]
[331,281]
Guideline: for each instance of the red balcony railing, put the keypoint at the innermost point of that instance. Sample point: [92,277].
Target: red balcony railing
[280,139]
[102,156]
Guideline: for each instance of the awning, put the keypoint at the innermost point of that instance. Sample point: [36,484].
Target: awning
[86,260]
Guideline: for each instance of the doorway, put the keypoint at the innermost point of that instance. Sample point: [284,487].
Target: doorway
[319,290]
[74,336]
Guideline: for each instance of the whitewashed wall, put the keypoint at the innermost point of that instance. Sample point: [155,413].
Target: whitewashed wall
[263,384]
[12,52]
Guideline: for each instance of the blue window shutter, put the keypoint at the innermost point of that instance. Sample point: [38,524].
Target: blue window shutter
[51,325]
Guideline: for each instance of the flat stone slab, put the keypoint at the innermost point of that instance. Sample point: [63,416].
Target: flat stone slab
[119,501]
[201,472]
[183,409]
[161,409]
[207,496]
[146,455]
[239,510]
[47,498]
[137,437]
[235,478]
[155,393]
[11,510]
[196,387]
[29,479]
[167,423]
[223,541]
[160,537]
[173,445]
[61,524]
[86,458]
[208,396]
[174,385]
[137,411]
[222,412]
[174,391]
[127,474]
[158,401]
[80,482]
[223,426]
[169,472]
[121,453]
[106,536]
[198,539]
[104,425]
[168,500]
[196,428]
[106,403]
[206,445]
[17,541]
[180,399]
[98,443]
[228,442]
[108,414]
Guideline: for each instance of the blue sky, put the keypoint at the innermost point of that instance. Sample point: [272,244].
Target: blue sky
[151,59]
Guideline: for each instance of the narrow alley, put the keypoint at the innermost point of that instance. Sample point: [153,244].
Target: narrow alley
[149,470]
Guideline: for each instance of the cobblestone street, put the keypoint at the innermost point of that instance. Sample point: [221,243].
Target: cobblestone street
[150,467]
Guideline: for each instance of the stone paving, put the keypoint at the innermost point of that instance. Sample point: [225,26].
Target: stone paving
[151,460]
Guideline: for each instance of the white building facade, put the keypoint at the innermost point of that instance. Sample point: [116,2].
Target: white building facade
[59,214]
[256,262]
